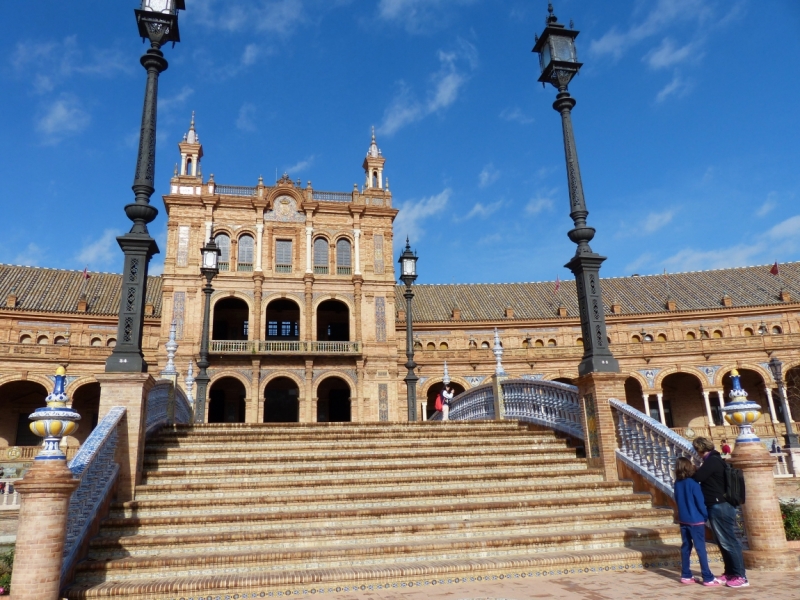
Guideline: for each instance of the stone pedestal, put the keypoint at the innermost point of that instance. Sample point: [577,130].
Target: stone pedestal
[762,515]
[600,434]
[129,390]
[499,400]
[793,460]
[45,492]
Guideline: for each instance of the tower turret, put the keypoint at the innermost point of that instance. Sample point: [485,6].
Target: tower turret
[373,166]
[191,153]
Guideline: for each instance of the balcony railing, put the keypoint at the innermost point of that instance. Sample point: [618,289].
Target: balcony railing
[332,196]
[344,270]
[245,267]
[320,270]
[235,190]
[283,347]
[283,268]
[224,266]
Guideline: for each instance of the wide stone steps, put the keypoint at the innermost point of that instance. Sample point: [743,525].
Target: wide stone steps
[278,539]
[209,490]
[313,557]
[227,510]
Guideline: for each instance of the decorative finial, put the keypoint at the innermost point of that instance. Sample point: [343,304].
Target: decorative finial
[571,24]
[175,170]
[373,134]
[189,381]
[172,347]
[55,420]
[387,184]
[446,377]
[551,18]
[191,125]
[740,411]
[498,353]
[260,180]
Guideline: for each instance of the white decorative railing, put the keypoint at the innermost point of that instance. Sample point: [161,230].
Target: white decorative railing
[332,196]
[157,410]
[235,190]
[648,447]
[183,410]
[475,404]
[94,466]
[9,497]
[283,347]
[549,403]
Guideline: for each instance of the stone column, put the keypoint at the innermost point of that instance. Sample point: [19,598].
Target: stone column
[708,409]
[771,405]
[358,413]
[44,492]
[253,409]
[255,330]
[499,400]
[762,516]
[359,335]
[646,398]
[129,390]
[600,434]
[309,415]
[357,250]
[660,398]
[307,334]
[309,232]
[259,241]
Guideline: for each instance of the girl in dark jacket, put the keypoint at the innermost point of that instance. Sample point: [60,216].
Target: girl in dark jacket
[692,516]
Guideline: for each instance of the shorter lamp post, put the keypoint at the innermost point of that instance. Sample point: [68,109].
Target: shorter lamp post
[791,439]
[408,270]
[209,269]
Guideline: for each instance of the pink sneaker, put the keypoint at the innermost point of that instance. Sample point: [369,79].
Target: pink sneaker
[713,583]
[688,580]
[738,582]
[723,579]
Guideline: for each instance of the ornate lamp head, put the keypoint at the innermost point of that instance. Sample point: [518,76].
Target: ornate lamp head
[741,411]
[55,420]
[558,59]
[408,265]
[158,21]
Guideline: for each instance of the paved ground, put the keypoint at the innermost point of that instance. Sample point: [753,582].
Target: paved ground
[656,584]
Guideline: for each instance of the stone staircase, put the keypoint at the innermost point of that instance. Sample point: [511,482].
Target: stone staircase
[251,511]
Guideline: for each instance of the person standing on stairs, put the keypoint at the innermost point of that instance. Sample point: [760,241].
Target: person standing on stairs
[721,514]
[692,516]
[447,398]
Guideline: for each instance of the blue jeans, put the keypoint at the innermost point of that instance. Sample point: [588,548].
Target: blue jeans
[694,535]
[722,518]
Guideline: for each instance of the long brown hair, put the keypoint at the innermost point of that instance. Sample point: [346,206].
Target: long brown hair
[684,468]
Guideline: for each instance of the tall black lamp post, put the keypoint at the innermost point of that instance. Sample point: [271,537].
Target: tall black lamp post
[408,270]
[791,438]
[158,22]
[210,268]
[559,64]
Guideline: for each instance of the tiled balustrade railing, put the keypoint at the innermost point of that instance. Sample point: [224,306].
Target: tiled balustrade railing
[547,403]
[283,347]
[165,406]
[475,404]
[96,468]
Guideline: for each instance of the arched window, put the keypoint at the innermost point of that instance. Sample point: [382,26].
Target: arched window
[539,343]
[111,342]
[636,339]
[472,343]
[661,337]
[25,339]
[96,342]
[443,346]
[188,166]
[526,343]
[60,340]
[224,244]
[717,333]
[579,341]
[417,345]
[648,337]
[485,345]
[748,332]
[690,335]
[42,340]
[320,256]
[430,346]
[244,261]
[343,257]
[374,179]
[551,342]
[777,330]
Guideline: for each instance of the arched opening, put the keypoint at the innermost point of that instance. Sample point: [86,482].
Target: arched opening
[661,337]
[60,340]
[25,339]
[526,343]
[374,179]
[281,401]
[42,340]
[226,401]
[684,405]
[223,242]
[435,390]
[539,344]
[333,401]
[283,320]
[188,166]
[634,395]
[579,341]
[18,399]
[430,346]
[748,332]
[636,339]
[417,345]
[343,257]
[230,319]
[96,342]
[777,330]
[690,335]
[333,322]
[792,393]
[485,345]
[551,343]
[86,400]
[753,384]
[443,346]
[717,334]
[111,342]
[566,380]
[246,253]
[321,256]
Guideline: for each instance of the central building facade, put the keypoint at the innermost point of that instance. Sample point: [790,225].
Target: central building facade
[302,325]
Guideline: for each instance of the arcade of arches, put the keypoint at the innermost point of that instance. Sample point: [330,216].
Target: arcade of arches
[435,390]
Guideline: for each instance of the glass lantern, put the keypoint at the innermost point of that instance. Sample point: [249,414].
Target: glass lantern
[558,59]
[211,257]
[408,265]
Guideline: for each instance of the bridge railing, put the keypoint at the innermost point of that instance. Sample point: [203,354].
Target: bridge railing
[549,403]
[475,404]
[97,470]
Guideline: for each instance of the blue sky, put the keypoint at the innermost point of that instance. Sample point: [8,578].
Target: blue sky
[686,123]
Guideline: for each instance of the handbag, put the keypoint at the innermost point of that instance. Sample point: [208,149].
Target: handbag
[438,404]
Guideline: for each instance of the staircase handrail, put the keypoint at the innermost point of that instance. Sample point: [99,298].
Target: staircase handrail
[474,404]
[97,470]
[157,407]
[183,410]
[549,403]
[648,447]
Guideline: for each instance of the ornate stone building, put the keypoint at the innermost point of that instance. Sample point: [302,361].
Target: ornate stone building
[308,323]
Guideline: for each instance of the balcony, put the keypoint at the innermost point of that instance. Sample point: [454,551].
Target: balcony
[280,347]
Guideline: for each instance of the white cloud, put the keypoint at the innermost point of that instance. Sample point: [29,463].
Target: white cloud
[638,263]
[769,204]
[300,166]
[492,238]
[413,214]
[244,121]
[168,103]
[488,176]
[483,210]
[516,114]
[250,54]
[655,221]
[678,87]
[418,16]
[274,16]
[62,118]
[446,84]
[541,202]
[667,54]
[786,230]
[30,256]
[100,252]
